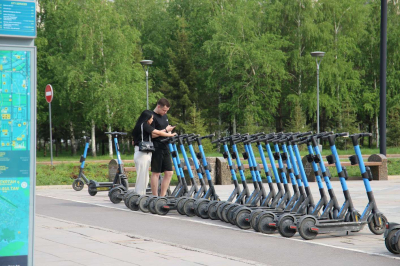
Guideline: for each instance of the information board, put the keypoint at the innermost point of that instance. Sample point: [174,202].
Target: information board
[17,154]
[18,18]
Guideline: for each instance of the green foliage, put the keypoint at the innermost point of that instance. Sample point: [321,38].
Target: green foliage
[298,122]
[226,66]
[393,133]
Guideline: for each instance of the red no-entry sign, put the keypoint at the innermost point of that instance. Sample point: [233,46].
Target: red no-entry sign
[49,93]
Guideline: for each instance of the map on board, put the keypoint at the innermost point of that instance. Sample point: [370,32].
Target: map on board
[14,217]
[14,90]
[15,101]
[15,74]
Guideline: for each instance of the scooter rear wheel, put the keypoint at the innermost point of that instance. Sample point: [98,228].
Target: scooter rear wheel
[220,208]
[242,219]
[254,219]
[188,207]
[179,205]
[378,229]
[151,205]
[397,236]
[159,206]
[92,189]
[133,203]
[143,205]
[212,209]
[115,195]
[389,244]
[232,212]
[284,225]
[78,184]
[127,197]
[225,211]
[305,229]
[201,209]
[264,223]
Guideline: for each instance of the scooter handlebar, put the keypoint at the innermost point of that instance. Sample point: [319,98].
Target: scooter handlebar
[302,140]
[208,136]
[116,133]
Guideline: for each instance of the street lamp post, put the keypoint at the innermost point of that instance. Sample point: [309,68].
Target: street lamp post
[146,64]
[318,55]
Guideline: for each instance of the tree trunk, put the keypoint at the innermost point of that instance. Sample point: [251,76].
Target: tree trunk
[370,137]
[57,148]
[44,148]
[219,121]
[110,144]
[73,145]
[128,144]
[377,131]
[234,124]
[94,153]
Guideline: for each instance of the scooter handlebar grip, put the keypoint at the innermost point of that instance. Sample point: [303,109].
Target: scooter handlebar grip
[302,140]
[324,135]
[306,134]
[208,136]
[165,140]
[366,134]
[344,134]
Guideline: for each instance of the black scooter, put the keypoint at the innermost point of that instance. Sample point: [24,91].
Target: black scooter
[120,179]
[80,182]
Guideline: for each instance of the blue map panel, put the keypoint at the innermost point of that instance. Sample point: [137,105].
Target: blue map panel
[15,120]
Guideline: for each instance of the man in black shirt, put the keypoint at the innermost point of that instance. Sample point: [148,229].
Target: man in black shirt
[161,159]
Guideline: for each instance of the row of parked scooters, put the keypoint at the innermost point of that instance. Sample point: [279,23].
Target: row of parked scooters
[279,209]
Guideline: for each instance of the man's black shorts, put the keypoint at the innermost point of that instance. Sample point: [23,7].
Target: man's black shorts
[161,161]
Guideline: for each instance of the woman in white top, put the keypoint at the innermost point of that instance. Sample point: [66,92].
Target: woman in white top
[143,159]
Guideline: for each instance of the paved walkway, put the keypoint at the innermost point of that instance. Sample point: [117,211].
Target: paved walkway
[65,243]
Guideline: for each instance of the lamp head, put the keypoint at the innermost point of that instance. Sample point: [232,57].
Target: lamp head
[146,62]
[317,54]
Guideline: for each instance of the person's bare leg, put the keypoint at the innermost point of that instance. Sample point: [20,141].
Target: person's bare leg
[154,183]
[165,182]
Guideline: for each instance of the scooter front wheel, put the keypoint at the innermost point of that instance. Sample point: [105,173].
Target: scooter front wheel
[78,184]
[378,228]
[389,242]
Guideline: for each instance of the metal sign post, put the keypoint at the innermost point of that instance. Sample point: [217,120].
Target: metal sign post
[49,98]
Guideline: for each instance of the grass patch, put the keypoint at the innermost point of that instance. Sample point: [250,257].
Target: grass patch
[65,173]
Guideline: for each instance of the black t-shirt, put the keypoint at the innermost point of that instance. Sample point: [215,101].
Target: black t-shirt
[160,123]
[137,133]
